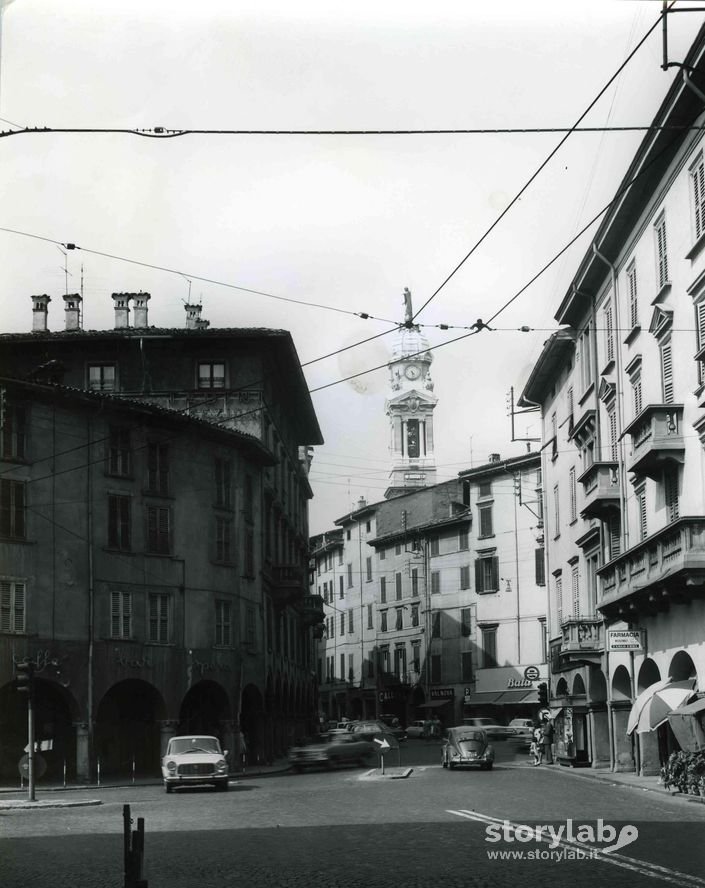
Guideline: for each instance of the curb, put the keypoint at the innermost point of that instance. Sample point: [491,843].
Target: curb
[32,806]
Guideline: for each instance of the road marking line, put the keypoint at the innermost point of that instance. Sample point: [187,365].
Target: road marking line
[620,860]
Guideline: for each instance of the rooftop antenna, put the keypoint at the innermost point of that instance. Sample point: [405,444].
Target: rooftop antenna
[66,271]
[81,302]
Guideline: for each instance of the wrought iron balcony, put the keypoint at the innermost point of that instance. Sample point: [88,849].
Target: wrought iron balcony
[667,566]
[657,439]
[601,492]
[581,636]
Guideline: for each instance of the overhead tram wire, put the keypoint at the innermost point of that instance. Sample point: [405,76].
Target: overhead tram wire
[542,166]
[196,277]
[159,132]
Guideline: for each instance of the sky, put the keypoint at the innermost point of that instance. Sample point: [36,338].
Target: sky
[306,232]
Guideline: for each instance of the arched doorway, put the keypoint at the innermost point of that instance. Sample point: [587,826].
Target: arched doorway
[649,674]
[682,667]
[203,709]
[127,729]
[55,712]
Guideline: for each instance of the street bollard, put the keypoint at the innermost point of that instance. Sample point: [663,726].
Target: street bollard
[133,851]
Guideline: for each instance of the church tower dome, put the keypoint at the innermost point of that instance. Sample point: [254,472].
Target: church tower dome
[410,408]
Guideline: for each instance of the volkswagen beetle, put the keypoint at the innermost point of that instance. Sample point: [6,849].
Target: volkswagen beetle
[466,745]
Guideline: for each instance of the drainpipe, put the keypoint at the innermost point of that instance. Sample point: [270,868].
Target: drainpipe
[91,591]
[622,475]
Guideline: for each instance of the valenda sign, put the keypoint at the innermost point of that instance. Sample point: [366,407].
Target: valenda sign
[625,639]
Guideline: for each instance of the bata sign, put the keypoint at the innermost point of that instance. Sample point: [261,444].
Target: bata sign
[519,683]
[625,639]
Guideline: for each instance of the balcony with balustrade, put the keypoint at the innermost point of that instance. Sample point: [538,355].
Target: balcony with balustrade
[312,610]
[657,439]
[601,489]
[583,639]
[666,568]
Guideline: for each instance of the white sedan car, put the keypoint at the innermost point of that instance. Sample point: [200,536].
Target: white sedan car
[193,761]
[416,729]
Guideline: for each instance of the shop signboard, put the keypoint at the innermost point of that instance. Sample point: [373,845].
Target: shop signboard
[625,639]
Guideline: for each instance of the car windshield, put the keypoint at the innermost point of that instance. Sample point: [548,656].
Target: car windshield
[183,745]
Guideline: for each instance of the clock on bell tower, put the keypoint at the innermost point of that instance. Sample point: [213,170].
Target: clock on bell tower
[410,408]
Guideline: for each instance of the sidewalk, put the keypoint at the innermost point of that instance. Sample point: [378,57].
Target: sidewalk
[16,796]
[623,778]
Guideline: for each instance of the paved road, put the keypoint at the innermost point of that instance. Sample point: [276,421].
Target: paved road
[344,829]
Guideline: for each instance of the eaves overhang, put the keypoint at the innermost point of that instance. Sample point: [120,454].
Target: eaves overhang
[542,378]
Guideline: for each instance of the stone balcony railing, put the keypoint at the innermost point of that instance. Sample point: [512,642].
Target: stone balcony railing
[657,438]
[312,611]
[667,564]
[601,489]
[582,635]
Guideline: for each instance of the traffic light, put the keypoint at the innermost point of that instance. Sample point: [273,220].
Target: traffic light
[543,694]
[24,675]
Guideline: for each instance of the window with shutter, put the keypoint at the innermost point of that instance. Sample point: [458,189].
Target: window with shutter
[158,530]
[485,515]
[636,393]
[615,531]
[609,332]
[383,621]
[573,495]
[463,540]
[350,620]
[399,619]
[670,483]
[489,648]
[612,425]
[368,570]
[13,432]
[119,532]
[342,623]
[641,505]
[559,601]
[369,617]
[575,583]
[159,618]
[434,545]
[465,577]
[556,513]
[341,585]
[435,582]
[540,566]
[350,575]
[158,468]
[666,372]
[12,606]
[119,452]
[223,538]
[121,614]
[661,252]
[700,337]
[414,615]
[383,590]
[436,624]
[12,509]
[397,585]
[697,174]
[414,582]
[487,574]
[633,293]
[466,622]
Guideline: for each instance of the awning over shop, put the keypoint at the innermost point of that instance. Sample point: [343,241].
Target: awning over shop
[523,696]
[434,704]
[688,724]
[482,698]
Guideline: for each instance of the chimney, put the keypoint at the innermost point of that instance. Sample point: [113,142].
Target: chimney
[122,310]
[40,310]
[361,503]
[140,301]
[72,307]
[495,458]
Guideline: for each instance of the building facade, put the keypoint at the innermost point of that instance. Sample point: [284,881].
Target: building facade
[621,392]
[154,538]
[434,600]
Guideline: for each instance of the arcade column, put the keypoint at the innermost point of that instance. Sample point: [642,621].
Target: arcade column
[230,742]
[83,766]
[167,729]
[623,752]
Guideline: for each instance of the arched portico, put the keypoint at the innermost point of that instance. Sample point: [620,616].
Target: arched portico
[127,736]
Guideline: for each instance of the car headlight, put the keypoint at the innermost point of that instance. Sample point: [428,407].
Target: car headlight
[171,767]
[221,765]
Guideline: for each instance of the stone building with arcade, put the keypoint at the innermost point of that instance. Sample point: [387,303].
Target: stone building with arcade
[153,539]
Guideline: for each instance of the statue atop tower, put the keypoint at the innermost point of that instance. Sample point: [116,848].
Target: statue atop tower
[410,408]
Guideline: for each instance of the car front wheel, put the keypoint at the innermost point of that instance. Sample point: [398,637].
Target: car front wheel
[168,787]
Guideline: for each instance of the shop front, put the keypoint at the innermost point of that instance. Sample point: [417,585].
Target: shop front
[505,693]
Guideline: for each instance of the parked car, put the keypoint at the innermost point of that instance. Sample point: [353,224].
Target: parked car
[416,729]
[494,731]
[331,749]
[523,730]
[194,760]
[466,745]
[376,730]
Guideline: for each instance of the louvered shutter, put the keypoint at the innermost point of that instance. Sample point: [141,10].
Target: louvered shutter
[540,566]
[667,372]
[115,614]
[700,333]
[612,418]
[494,561]
[5,606]
[609,332]
[633,291]
[699,198]
[479,577]
[662,253]
[575,580]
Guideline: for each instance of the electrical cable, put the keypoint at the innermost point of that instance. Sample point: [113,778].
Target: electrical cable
[544,163]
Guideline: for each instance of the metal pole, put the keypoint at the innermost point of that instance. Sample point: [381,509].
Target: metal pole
[30,735]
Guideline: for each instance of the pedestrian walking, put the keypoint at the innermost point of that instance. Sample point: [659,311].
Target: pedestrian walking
[547,740]
[242,750]
[536,748]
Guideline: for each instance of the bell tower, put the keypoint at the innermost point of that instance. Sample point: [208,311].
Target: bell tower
[410,408]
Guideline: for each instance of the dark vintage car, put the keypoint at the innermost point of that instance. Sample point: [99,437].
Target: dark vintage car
[467,745]
[332,749]
[191,760]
